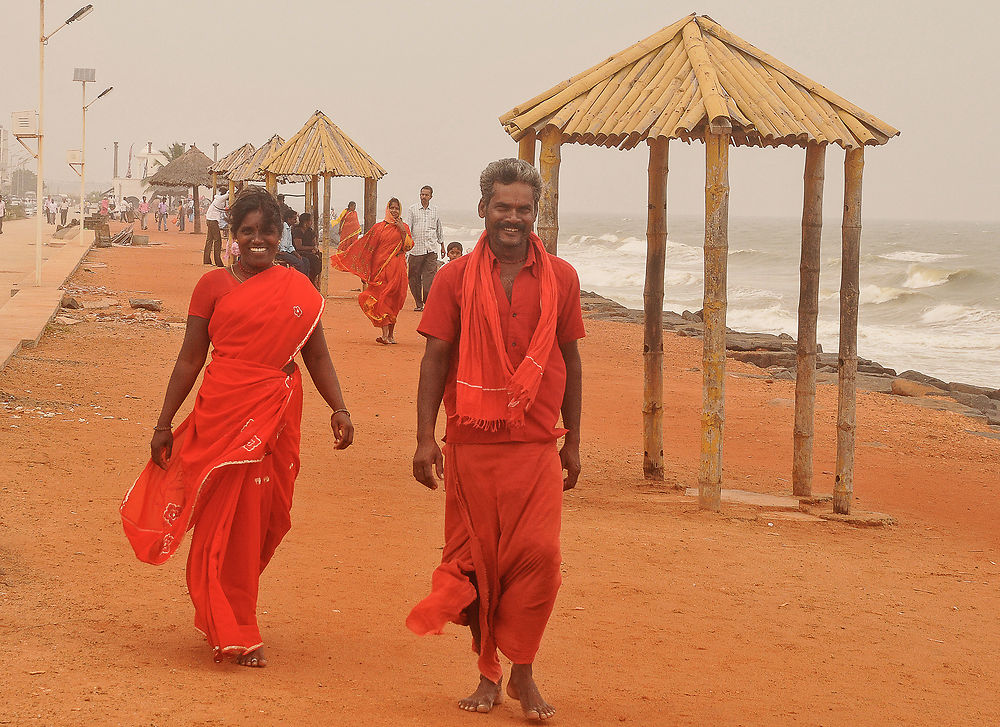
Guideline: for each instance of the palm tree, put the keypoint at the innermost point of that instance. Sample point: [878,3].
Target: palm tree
[173,151]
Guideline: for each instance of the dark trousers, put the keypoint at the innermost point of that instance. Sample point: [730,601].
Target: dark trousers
[293,260]
[62,216]
[213,243]
[422,269]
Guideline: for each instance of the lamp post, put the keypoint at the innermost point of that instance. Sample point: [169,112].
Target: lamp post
[42,40]
[85,75]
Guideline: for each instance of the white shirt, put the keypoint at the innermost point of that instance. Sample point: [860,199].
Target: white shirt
[216,210]
[425,229]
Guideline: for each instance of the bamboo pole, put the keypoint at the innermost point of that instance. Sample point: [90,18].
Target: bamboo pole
[197,212]
[526,147]
[271,182]
[232,193]
[371,201]
[805,358]
[325,247]
[315,202]
[308,200]
[548,206]
[713,414]
[652,299]
[843,487]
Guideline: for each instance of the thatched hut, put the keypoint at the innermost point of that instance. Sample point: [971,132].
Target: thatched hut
[231,161]
[190,169]
[695,80]
[321,149]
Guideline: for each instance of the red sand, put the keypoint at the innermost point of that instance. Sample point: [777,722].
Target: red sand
[667,615]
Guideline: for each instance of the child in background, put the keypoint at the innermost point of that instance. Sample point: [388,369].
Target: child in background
[454,251]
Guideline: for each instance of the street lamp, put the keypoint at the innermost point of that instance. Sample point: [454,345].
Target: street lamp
[85,76]
[42,40]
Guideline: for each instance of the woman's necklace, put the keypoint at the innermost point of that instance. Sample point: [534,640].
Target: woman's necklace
[242,272]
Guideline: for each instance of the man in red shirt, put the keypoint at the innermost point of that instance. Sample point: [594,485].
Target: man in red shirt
[502,325]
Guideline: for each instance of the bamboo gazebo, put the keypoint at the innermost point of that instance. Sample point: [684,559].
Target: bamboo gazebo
[321,150]
[229,163]
[694,80]
[190,169]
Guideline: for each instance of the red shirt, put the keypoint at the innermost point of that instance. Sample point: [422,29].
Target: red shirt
[212,286]
[518,318]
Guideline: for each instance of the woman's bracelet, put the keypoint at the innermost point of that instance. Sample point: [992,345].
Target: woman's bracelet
[167,428]
[339,411]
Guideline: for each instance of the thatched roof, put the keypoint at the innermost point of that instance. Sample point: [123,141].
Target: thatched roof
[187,170]
[320,147]
[232,160]
[250,170]
[687,75]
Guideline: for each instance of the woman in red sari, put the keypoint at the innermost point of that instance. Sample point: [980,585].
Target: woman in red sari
[349,226]
[379,259]
[229,468]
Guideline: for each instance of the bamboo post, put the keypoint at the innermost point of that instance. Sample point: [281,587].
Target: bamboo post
[232,192]
[526,147]
[308,200]
[843,487]
[713,414]
[315,199]
[371,200]
[271,182]
[805,356]
[215,179]
[197,212]
[325,247]
[652,299]
[548,205]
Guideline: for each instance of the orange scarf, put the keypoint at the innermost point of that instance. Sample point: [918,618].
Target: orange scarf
[491,393]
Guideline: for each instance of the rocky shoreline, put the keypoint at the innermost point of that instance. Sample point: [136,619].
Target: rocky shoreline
[775,355]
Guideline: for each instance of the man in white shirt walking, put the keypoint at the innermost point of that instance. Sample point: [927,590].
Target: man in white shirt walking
[428,238]
[213,242]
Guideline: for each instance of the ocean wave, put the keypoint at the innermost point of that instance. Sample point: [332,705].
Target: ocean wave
[921,276]
[912,256]
[876,295]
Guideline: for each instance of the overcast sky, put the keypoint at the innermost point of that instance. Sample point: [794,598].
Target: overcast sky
[420,85]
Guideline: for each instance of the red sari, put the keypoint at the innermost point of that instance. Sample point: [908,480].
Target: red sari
[234,459]
[379,259]
[349,229]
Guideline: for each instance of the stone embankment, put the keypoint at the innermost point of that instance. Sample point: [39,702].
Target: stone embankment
[776,356]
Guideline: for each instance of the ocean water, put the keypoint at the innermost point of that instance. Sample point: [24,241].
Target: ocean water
[930,291]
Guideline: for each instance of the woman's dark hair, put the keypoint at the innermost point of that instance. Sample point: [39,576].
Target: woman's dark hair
[255,199]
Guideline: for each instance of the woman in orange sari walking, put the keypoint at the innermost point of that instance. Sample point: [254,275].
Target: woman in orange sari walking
[379,259]
[349,226]
[228,470]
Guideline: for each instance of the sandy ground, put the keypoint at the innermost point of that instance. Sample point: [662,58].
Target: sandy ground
[667,615]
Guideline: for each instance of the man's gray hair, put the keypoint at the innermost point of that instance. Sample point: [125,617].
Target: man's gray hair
[509,171]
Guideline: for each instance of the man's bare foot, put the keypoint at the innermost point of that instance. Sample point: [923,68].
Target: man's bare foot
[253,658]
[521,686]
[483,699]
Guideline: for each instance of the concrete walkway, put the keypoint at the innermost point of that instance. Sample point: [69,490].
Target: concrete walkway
[25,309]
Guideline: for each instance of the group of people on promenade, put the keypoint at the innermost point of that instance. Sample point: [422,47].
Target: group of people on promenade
[501,326]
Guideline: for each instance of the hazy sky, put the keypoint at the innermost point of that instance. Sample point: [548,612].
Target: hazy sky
[420,85]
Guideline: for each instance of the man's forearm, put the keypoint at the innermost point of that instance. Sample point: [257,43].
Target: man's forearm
[430,390]
[572,403]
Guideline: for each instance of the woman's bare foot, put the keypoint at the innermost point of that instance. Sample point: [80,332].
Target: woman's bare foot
[521,686]
[483,699]
[253,658]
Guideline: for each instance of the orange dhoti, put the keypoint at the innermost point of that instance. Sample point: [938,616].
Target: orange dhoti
[503,509]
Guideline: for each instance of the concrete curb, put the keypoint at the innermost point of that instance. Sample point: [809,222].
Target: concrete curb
[31,308]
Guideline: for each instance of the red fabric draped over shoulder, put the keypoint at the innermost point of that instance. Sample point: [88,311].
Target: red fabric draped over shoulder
[379,259]
[242,409]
